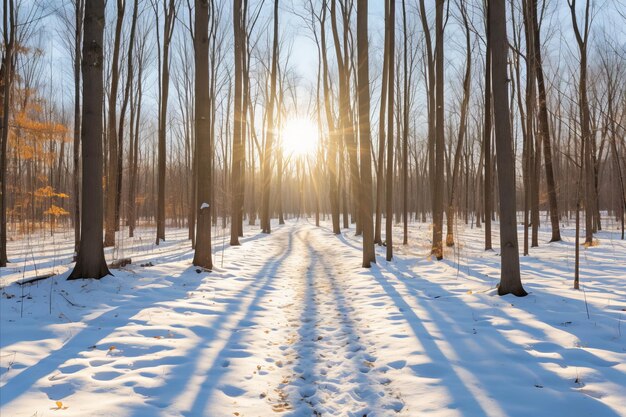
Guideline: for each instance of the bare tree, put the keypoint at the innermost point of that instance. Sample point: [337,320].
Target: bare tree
[369,254]
[430,89]
[271,132]
[122,117]
[343,55]
[202,255]
[544,128]
[582,38]
[135,131]
[380,168]
[73,24]
[238,151]
[90,262]
[6,78]
[169,11]
[510,281]
[452,194]
[333,136]
[614,71]
[111,174]
[405,129]
[487,187]
[390,51]
[437,248]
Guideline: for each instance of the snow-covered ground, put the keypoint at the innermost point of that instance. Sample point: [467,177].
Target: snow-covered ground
[289,324]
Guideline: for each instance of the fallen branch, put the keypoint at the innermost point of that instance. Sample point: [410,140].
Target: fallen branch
[36,279]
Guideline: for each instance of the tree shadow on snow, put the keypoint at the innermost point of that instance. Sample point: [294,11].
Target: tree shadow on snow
[165,394]
[474,379]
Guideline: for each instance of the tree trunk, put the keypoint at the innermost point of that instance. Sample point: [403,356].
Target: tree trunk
[391,27]
[437,247]
[345,110]
[237,125]
[111,174]
[133,163]
[122,116]
[405,132]
[79,7]
[202,254]
[168,28]
[510,280]
[90,261]
[582,41]
[333,136]
[6,76]
[369,254]
[544,129]
[380,169]
[487,188]
[450,212]
[269,139]
[430,87]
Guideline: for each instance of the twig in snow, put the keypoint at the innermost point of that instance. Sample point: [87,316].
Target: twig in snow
[70,302]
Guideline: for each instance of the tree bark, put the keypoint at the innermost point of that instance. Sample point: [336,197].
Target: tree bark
[79,8]
[510,280]
[333,137]
[369,254]
[450,212]
[582,40]
[430,87]
[237,157]
[345,109]
[391,28]
[437,247]
[6,77]
[405,131]
[112,173]
[544,128]
[202,254]
[168,28]
[90,261]
[266,226]
[122,116]
[380,169]
[487,188]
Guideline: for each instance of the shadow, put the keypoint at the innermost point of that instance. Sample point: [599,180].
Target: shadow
[342,238]
[122,312]
[463,397]
[231,348]
[95,330]
[468,334]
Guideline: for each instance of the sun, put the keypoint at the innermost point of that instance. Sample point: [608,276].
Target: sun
[300,137]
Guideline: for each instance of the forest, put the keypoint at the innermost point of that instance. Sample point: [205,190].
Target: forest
[312,207]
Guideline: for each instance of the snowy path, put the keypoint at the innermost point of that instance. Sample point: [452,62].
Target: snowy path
[292,326]
[305,349]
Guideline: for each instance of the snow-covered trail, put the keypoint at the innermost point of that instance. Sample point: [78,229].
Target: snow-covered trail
[307,350]
[291,325]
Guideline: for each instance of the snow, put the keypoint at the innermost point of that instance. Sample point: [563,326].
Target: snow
[289,324]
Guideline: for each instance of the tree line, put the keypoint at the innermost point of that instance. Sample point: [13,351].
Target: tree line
[461,108]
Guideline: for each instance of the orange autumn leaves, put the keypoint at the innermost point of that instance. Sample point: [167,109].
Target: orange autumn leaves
[34,138]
